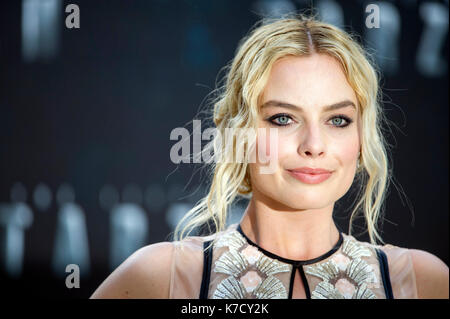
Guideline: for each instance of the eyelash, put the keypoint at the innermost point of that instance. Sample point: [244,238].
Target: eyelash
[341,116]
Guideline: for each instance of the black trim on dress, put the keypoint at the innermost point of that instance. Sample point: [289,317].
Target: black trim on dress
[305,283]
[290,261]
[291,282]
[384,271]
[207,260]
[304,280]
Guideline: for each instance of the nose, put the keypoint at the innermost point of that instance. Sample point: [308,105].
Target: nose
[312,144]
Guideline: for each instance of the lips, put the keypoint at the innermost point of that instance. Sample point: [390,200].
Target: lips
[310,175]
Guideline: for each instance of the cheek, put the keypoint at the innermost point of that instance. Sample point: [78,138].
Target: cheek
[271,145]
[346,150]
[347,153]
[268,142]
[270,153]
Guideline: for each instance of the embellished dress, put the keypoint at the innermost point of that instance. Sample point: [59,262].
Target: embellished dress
[234,267]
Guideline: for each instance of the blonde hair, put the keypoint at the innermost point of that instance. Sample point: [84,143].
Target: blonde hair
[236,106]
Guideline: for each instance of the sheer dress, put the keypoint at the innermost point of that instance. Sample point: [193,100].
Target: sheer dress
[234,267]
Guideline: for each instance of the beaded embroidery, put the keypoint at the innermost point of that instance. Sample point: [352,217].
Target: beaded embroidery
[346,275]
[250,273]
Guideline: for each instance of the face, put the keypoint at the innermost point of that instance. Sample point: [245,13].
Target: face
[314,110]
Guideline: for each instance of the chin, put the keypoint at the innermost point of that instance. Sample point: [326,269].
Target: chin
[302,198]
[308,202]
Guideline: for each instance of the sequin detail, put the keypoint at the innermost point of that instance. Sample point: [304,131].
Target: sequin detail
[326,271]
[270,266]
[355,250]
[252,254]
[246,272]
[325,290]
[231,263]
[345,278]
[230,288]
[270,288]
[250,266]
[231,241]
[251,280]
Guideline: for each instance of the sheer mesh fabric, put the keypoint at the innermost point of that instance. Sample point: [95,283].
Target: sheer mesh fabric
[401,270]
[241,270]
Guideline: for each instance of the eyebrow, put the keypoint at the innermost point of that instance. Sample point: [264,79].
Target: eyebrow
[326,108]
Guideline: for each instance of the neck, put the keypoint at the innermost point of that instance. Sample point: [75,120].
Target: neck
[292,234]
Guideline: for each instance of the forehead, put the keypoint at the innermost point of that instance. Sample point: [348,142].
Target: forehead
[309,81]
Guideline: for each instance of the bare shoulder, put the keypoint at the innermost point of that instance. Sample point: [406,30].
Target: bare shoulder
[432,275]
[145,274]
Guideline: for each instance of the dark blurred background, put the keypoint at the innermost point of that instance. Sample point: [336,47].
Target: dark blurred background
[86,114]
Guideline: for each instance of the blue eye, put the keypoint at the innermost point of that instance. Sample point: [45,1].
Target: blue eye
[337,121]
[341,121]
[280,119]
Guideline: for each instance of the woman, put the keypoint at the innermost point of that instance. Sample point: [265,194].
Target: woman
[313,85]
